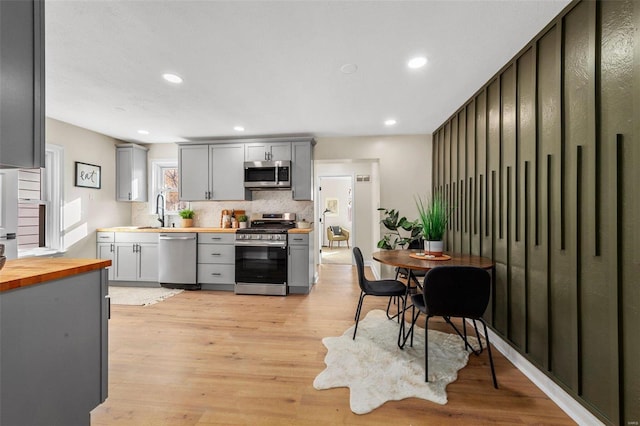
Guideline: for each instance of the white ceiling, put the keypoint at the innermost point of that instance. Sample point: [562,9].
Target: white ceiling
[274,66]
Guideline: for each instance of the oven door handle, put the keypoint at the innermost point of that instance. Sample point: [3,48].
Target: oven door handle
[282,244]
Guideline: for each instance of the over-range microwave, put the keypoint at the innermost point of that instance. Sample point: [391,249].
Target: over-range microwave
[267,174]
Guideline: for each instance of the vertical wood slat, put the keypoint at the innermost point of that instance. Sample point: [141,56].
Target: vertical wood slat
[563,156]
[619,184]
[527,266]
[578,248]
[597,106]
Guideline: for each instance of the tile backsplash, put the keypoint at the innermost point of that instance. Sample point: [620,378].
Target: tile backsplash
[207,213]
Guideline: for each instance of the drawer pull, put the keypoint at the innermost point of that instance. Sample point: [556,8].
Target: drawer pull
[216,254]
[216,274]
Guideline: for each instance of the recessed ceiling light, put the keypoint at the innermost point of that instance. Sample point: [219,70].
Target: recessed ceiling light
[143,132]
[172,78]
[390,122]
[417,62]
[349,68]
[238,128]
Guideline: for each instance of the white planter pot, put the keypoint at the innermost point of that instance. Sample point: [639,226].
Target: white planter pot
[242,225]
[434,248]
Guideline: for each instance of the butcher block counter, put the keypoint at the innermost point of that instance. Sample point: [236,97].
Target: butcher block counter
[54,315]
[194,229]
[25,272]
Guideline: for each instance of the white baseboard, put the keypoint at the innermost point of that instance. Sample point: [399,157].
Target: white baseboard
[573,408]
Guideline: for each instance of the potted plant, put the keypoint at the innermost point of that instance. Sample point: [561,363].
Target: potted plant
[394,223]
[242,221]
[434,218]
[187,217]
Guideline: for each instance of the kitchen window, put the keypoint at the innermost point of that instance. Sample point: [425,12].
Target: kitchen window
[40,205]
[165,180]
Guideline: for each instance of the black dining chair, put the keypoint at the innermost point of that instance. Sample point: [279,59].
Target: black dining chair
[453,292]
[384,288]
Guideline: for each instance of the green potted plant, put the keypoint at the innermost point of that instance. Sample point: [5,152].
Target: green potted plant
[434,217]
[242,221]
[394,223]
[187,217]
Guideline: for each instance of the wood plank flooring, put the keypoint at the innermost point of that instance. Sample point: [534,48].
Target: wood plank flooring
[211,358]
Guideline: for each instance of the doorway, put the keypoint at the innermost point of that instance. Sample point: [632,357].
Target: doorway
[336,209]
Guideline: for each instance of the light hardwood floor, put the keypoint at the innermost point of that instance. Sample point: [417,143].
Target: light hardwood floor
[204,358]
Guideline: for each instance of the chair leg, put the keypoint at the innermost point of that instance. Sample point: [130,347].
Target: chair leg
[414,318]
[358,309]
[493,370]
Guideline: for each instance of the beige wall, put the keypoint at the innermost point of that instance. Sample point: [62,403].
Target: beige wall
[403,170]
[86,209]
[405,164]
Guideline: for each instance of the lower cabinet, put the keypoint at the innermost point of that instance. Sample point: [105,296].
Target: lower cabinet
[106,249]
[54,363]
[216,261]
[301,269]
[134,256]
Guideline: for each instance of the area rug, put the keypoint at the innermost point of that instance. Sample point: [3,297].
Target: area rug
[140,296]
[376,370]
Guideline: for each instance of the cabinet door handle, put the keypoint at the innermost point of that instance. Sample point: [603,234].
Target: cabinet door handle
[112,248]
[216,254]
[216,274]
[129,196]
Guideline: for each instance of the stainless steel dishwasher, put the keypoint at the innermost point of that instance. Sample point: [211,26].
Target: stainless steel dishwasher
[177,260]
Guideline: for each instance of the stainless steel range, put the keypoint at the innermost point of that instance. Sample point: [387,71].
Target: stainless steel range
[262,255]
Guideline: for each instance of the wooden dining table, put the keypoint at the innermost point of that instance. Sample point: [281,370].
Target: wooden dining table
[403,259]
[417,262]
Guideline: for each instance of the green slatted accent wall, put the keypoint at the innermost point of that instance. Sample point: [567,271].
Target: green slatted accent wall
[543,167]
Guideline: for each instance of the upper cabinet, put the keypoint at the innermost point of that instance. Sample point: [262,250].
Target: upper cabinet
[302,170]
[267,151]
[215,170]
[22,84]
[212,172]
[131,173]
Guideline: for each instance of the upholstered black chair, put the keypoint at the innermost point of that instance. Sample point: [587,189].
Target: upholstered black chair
[453,292]
[384,288]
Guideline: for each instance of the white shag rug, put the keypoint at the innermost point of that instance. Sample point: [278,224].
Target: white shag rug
[376,370]
[140,296]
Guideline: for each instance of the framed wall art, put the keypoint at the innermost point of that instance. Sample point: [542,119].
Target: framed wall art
[88,175]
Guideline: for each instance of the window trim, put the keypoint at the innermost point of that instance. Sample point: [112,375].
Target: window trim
[156,177]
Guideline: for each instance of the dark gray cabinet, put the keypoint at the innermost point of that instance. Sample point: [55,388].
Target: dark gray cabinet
[54,343]
[22,83]
[300,268]
[131,173]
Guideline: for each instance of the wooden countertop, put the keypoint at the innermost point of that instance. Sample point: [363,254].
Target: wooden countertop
[157,230]
[25,272]
[194,229]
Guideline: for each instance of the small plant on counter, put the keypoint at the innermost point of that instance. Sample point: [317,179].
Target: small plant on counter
[186,213]
[242,218]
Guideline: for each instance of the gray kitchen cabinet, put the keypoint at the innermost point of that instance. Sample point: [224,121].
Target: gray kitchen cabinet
[212,172]
[136,257]
[216,261]
[54,364]
[267,151]
[300,268]
[302,171]
[131,173]
[106,250]
[22,84]
[226,172]
[193,167]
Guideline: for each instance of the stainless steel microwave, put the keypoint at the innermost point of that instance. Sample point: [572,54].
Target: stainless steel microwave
[267,174]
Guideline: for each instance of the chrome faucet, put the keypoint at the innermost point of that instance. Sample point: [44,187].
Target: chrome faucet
[160,207]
